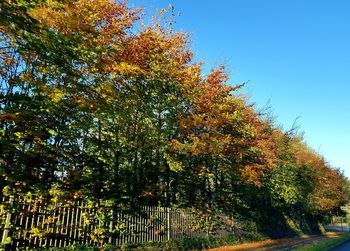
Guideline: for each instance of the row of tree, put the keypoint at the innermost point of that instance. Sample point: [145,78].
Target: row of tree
[96,104]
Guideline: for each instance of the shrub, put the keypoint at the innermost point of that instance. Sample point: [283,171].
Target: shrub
[183,244]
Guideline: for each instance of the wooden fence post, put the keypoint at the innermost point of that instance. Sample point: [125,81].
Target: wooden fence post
[168,223]
[207,221]
[111,226]
[8,221]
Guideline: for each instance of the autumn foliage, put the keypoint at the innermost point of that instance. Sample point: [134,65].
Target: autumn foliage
[98,105]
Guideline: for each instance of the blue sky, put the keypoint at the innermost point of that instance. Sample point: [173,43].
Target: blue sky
[294,53]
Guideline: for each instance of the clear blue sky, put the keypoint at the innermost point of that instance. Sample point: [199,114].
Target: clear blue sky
[295,53]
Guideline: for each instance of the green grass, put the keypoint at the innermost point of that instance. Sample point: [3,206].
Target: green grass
[327,244]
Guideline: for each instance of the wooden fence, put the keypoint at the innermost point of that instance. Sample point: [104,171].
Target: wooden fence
[45,225]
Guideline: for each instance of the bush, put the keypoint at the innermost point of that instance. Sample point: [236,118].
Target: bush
[198,243]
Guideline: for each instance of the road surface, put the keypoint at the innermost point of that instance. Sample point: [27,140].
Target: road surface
[338,228]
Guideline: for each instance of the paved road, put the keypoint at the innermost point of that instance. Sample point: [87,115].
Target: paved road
[344,247]
[341,229]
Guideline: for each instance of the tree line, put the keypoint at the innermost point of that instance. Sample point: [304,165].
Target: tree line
[96,104]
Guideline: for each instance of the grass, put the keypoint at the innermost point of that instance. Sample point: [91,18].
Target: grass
[327,244]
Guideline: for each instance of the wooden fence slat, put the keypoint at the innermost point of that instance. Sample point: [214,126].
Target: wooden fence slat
[76,220]
[7,221]
[33,220]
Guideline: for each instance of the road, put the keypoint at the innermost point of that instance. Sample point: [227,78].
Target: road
[337,228]
[343,247]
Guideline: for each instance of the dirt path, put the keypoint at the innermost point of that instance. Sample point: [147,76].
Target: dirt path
[280,244]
